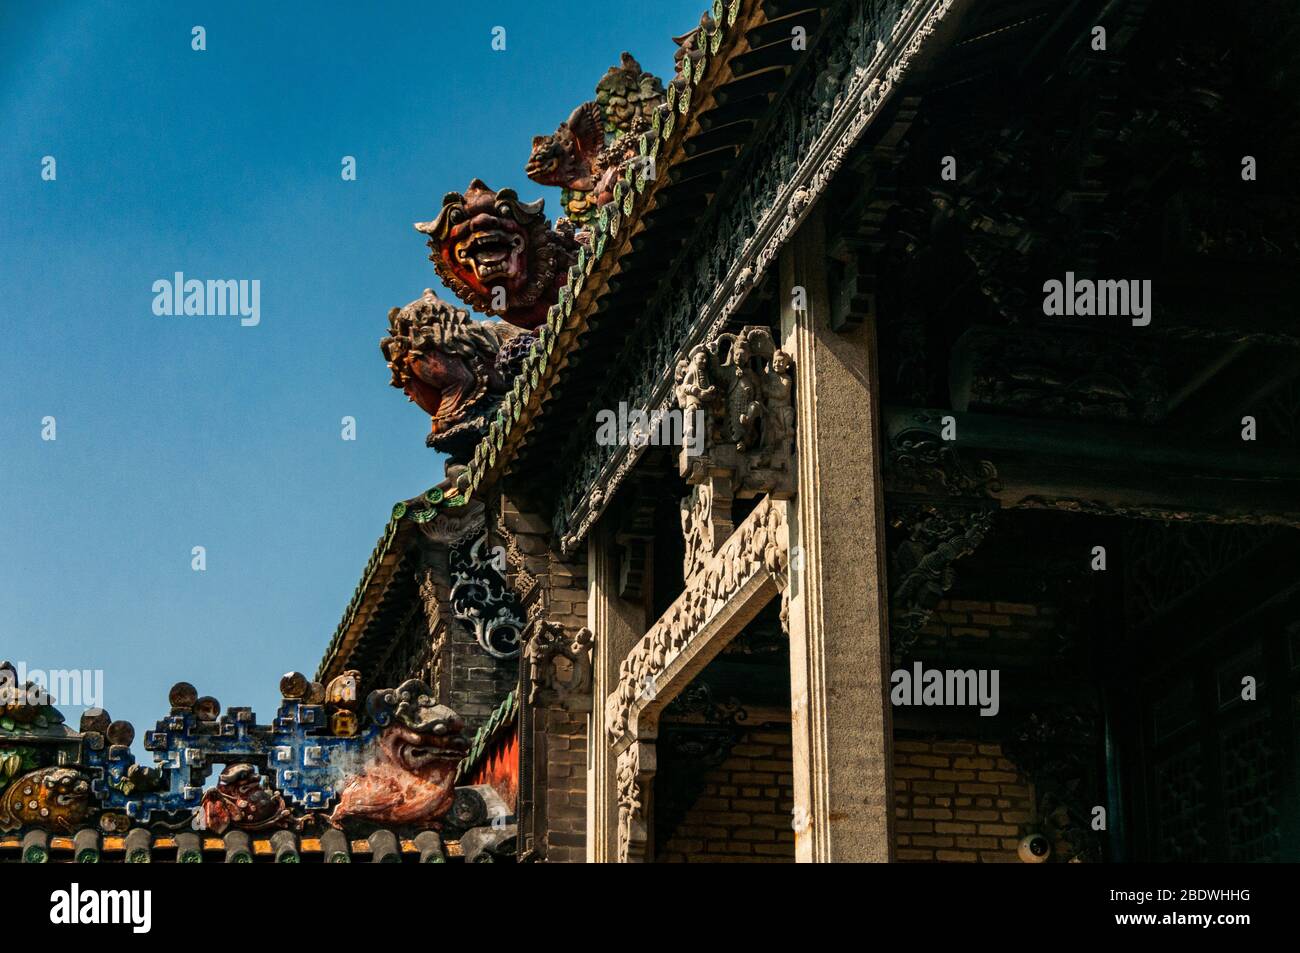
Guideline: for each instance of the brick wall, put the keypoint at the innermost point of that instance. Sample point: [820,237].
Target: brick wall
[958,801]
[478,682]
[555,587]
[745,811]
[998,631]
[566,787]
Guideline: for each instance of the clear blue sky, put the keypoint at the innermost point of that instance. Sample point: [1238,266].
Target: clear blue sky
[175,432]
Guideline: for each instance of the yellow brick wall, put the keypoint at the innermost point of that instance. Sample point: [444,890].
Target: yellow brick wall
[744,814]
[958,801]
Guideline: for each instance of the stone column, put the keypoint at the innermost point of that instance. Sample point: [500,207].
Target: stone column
[554,736]
[839,638]
[616,624]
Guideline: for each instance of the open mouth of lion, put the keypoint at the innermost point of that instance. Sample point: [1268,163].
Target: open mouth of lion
[416,756]
[69,798]
[545,166]
[493,255]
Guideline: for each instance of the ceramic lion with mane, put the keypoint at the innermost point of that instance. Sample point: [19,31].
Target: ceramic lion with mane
[499,255]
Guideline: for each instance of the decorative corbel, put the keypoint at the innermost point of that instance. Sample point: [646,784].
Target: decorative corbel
[735,395]
[559,666]
[635,782]
[481,600]
[921,564]
[922,461]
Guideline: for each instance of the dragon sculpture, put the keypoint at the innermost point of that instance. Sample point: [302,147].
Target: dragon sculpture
[587,154]
[455,368]
[499,255]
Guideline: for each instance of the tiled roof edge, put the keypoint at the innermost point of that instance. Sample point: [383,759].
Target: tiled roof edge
[567,318]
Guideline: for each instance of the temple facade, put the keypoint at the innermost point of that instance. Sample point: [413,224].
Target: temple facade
[887,453]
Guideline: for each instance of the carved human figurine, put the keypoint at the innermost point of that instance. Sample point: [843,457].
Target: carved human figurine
[694,390]
[743,407]
[778,409]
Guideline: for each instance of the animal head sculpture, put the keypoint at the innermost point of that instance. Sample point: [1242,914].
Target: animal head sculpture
[564,158]
[446,362]
[57,799]
[587,153]
[243,800]
[499,255]
[411,776]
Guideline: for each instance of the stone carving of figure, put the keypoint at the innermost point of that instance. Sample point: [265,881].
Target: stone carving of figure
[693,390]
[697,528]
[743,387]
[778,408]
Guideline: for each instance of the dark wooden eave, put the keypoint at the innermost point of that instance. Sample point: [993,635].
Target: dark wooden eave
[721,126]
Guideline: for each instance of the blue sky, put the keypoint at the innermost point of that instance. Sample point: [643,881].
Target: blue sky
[175,432]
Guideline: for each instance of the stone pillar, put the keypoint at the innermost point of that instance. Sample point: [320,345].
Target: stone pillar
[616,624]
[553,731]
[839,640]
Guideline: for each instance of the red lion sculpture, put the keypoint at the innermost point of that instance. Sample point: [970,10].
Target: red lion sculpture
[498,254]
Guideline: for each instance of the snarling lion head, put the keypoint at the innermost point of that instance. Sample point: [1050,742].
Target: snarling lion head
[419,732]
[497,254]
[446,362]
[411,774]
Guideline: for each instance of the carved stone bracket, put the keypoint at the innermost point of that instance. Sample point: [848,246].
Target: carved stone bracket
[921,564]
[748,570]
[635,782]
[559,666]
[706,523]
[481,600]
[735,394]
[922,461]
